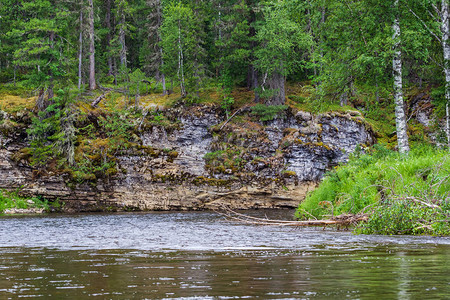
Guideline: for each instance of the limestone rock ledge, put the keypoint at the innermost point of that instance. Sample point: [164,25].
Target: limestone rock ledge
[280,162]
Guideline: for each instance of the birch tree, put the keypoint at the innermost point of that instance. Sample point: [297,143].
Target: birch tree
[438,10]
[80,51]
[181,46]
[400,117]
[154,59]
[445,31]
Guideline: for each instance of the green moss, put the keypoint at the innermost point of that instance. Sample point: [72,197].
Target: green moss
[23,154]
[288,173]
[225,161]
[173,154]
[201,180]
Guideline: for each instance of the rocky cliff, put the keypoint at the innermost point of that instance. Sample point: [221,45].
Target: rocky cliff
[200,164]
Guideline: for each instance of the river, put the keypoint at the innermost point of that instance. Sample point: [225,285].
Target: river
[199,255]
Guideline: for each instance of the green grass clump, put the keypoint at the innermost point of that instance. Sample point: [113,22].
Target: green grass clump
[10,200]
[403,195]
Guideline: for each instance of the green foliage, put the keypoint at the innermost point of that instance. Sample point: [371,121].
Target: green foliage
[10,200]
[384,181]
[182,51]
[228,161]
[404,217]
[227,100]
[52,133]
[95,156]
[281,39]
[267,112]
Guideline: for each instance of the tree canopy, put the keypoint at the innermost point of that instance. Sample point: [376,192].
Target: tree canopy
[336,46]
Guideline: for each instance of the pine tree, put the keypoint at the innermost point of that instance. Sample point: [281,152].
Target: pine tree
[42,46]
[281,42]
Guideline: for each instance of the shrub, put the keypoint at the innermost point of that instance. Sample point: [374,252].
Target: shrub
[267,112]
[403,194]
[9,200]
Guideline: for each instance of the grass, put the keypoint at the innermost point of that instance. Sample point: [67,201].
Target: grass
[11,200]
[386,184]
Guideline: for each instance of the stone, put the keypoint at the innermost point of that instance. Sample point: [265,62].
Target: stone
[302,144]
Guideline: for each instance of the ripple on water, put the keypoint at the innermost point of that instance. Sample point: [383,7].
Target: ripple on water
[201,256]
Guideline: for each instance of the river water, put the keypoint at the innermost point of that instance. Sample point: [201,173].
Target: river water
[199,255]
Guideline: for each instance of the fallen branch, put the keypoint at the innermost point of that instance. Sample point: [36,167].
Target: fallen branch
[232,116]
[414,199]
[342,220]
[98,100]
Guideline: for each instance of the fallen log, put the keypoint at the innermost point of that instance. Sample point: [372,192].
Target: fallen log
[97,100]
[344,220]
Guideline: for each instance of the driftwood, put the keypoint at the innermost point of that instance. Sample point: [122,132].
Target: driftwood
[342,220]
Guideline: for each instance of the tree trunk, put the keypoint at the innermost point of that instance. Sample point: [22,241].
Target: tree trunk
[108,35]
[80,52]
[310,30]
[252,74]
[137,96]
[123,47]
[400,117]
[92,84]
[252,81]
[343,99]
[276,84]
[163,81]
[445,30]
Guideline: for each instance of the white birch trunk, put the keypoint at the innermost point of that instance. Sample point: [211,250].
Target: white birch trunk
[400,117]
[445,30]
[92,84]
[80,53]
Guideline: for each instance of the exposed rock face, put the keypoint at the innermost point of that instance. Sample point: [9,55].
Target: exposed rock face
[251,165]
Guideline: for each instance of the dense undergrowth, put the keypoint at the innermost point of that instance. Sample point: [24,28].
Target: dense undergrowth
[402,195]
[11,200]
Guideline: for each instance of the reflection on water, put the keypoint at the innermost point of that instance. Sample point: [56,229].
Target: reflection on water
[201,256]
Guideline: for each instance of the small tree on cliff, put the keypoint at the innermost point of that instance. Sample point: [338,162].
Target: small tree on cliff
[281,42]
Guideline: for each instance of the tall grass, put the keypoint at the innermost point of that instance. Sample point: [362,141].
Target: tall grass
[386,182]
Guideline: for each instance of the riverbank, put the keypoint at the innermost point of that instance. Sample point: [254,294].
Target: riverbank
[401,194]
[13,204]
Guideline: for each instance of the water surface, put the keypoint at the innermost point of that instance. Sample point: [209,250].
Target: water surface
[199,255]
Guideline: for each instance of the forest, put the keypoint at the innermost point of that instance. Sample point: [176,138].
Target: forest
[341,48]
[374,57]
